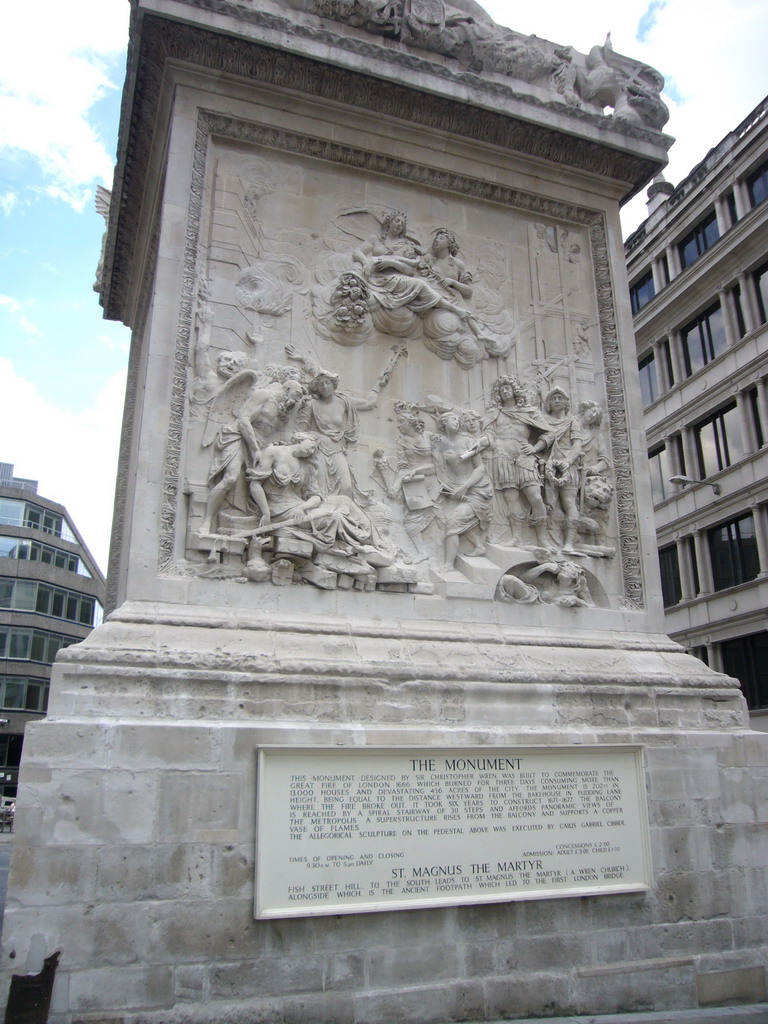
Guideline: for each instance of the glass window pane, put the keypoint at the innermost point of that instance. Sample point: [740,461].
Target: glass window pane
[671,589]
[11,512]
[720,440]
[658,460]
[20,645]
[26,596]
[44,595]
[761,284]
[32,516]
[746,658]
[33,696]
[688,251]
[86,611]
[6,593]
[733,552]
[707,449]
[716,325]
[641,292]
[692,348]
[757,183]
[13,694]
[649,388]
[39,646]
[14,751]
[733,436]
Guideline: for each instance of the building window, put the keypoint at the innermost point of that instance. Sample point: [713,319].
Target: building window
[671,591]
[761,287]
[732,212]
[696,242]
[733,552]
[32,644]
[754,406]
[649,385]
[10,751]
[18,693]
[641,292]
[719,440]
[664,268]
[35,551]
[693,562]
[36,596]
[661,471]
[746,658]
[703,339]
[701,653]
[739,310]
[26,513]
[757,184]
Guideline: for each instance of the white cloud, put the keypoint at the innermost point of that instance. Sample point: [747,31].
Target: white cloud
[48,89]
[16,310]
[73,455]
[7,202]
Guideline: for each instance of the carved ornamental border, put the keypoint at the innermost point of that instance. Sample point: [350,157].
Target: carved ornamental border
[212,124]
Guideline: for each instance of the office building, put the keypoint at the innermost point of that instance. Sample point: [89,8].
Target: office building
[698,273]
[51,596]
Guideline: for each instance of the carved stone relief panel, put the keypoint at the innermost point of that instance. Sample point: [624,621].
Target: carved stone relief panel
[389,387]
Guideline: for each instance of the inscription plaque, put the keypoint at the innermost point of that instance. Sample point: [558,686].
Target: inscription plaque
[352,831]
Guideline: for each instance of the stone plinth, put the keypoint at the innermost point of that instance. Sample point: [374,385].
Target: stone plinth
[383,485]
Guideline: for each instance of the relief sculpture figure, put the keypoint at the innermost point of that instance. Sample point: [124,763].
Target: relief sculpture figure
[464,503]
[414,481]
[333,416]
[395,285]
[564,444]
[596,488]
[514,433]
[561,583]
[465,32]
[307,524]
[241,419]
[406,283]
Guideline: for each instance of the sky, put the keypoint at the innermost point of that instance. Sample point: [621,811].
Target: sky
[62,366]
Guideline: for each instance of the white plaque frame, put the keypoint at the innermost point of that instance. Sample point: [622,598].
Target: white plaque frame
[357,830]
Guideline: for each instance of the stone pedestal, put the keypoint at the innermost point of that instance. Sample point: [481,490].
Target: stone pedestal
[383,486]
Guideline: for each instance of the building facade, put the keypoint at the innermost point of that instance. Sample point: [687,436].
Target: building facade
[698,274]
[51,596]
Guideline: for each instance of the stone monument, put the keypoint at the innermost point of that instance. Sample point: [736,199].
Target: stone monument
[382,725]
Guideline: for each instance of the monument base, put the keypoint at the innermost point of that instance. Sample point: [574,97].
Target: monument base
[137,825]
